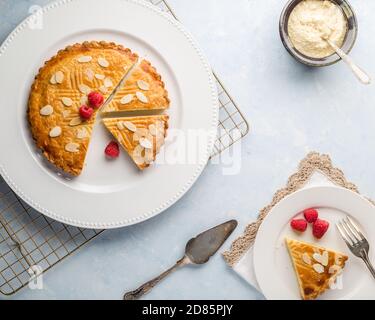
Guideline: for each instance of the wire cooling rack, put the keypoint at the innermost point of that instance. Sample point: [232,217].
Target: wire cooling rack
[28,238]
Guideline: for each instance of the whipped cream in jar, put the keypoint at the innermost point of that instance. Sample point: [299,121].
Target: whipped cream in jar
[306,25]
[312,22]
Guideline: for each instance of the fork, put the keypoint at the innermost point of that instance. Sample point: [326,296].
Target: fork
[356,241]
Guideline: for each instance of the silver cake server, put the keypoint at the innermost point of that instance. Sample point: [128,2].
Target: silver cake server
[198,251]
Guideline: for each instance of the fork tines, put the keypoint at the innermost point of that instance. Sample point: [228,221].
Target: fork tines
[350,231]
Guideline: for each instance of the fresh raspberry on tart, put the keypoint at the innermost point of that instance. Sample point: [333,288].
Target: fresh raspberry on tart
[86,112]
[95,99]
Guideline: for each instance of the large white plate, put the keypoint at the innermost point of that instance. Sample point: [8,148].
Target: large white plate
[273,268]
[106,195]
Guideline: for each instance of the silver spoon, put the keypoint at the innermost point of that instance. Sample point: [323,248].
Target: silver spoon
[358,72]
[198,251]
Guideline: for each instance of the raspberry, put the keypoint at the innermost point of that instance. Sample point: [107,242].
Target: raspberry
[298,225]
[95,99]
[112,150]
[86,112]
[311,215]
[320,227]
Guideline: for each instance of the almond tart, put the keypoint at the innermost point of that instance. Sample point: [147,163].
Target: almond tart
[141,137]
[61,87]
[316,268]
[142,89]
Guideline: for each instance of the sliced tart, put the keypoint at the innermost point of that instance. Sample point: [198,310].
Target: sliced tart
[61,87]
[142,89]
[141,137]
[316,268]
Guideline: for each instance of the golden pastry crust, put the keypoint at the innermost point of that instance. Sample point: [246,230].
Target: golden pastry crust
[153,90]
[129,131]
[312,283]
[107,65]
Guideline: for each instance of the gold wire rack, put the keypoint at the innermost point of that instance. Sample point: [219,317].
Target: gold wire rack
[28,238]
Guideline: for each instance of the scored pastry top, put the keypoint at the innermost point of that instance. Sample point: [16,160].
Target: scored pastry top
[143,89]
[142,137]
[63,85]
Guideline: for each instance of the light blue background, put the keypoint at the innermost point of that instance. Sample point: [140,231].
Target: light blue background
[292,110]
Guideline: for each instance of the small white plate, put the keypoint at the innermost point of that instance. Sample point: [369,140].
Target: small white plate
[107,194]
[272,264]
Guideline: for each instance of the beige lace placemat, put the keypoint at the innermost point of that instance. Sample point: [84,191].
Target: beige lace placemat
[312,163]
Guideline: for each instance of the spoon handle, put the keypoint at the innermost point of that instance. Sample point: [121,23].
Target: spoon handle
[145,288]
[358,72]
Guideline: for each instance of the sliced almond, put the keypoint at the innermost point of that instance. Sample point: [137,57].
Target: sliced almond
[318,268]
[130,126]
[59,77]
[89,74]
[141,97]
[103,89]
[160,125]
[100,76]
[138,155]
[55,132]
[84,59]
[108,83]
[120,125]
[306,258]
[335,269]
[318,257]
[82,133]
[103,62]
[145,143]
[75,122]
[143,85]
[84,100]
[142,132]
[53,79]
[149,156]
[67,101]
[152,129]
[139,160]
[126,99]
[325,258]
[46,110]
[72,147]
[136,137]
[84,89]
[65,113]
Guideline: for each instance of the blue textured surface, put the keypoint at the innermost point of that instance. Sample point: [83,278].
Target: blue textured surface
[292,110]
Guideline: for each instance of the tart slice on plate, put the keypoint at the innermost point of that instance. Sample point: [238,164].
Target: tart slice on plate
[142,89]
[316,268]
[142,137]
[62,86]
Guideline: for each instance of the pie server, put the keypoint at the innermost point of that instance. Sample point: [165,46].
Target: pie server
[198,251]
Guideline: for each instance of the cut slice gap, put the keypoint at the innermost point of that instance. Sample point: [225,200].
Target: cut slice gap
[141,137]
[133,113]
[313,277]
[143,89]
